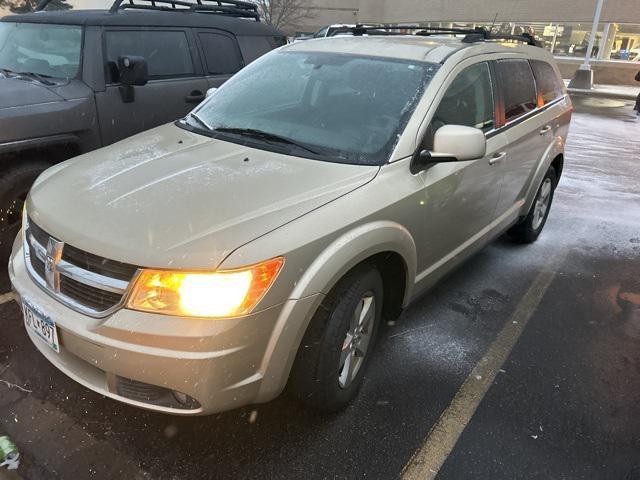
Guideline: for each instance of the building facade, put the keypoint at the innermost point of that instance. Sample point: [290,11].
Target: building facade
[563,26]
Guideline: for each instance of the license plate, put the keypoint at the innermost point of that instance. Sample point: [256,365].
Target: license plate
[41,325]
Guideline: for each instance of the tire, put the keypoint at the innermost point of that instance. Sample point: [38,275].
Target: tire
[530,228]
[320,377]
[15,183]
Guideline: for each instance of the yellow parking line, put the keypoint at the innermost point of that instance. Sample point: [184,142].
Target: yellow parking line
[427,461]
[6,297]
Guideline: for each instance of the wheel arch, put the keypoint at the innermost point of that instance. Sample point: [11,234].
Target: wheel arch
[558,164]
[381,242]
[553,156]
[386,245]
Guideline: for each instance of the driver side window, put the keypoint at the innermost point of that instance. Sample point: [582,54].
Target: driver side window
[468,101]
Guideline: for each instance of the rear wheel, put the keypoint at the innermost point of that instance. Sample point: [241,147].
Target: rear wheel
[336,349]
[15,183]
[530,228]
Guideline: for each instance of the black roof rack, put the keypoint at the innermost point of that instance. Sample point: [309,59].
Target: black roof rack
[471,35]
[231,8]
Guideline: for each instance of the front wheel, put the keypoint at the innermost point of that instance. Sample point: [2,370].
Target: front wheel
[530,228]
[337,346]
[15,183]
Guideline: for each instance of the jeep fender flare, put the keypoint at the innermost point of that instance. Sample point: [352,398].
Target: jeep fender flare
[343,254]
[39,143]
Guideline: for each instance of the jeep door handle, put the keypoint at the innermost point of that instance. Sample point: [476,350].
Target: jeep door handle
[195,97]
[545,130]
[498,157]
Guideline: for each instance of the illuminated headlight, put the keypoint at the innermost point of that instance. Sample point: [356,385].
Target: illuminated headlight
[220,294]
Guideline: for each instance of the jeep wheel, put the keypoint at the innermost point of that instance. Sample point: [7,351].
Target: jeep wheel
[531,227]
[337,346]
[14,187]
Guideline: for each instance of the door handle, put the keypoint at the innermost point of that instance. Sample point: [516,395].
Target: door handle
[195,97]
[498,157]
[545,130]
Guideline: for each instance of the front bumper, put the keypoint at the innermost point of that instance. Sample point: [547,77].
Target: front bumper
[218,363]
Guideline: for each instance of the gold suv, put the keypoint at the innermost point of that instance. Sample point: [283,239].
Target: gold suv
[261,241]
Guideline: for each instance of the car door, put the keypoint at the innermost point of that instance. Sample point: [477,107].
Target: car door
[527,131]
[221,56]
[176,81]
[461,197]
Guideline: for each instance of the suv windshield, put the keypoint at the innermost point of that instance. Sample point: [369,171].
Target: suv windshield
[47,50]
[335,107]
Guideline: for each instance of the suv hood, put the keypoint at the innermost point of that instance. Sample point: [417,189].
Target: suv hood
[172,198]
[15,92]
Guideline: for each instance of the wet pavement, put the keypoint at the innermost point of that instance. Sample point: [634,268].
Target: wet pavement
[566,403]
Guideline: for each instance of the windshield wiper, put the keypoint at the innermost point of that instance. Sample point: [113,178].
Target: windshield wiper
[41,78]
[199,120]
[6,72]
[262,135]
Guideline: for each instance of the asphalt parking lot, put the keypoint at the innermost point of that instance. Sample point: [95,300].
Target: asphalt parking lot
[564,404]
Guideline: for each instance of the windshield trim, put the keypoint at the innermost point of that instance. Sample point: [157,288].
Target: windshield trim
[83,30]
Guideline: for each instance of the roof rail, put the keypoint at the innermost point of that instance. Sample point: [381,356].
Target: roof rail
[472,35]
[232,8]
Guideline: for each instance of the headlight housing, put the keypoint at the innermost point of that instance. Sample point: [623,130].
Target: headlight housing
[219,294]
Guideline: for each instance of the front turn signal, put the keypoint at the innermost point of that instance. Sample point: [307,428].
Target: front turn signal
[219,294]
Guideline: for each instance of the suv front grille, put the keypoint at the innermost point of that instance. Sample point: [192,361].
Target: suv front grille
[81,280]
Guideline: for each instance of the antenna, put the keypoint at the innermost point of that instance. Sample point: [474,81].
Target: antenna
[494,23]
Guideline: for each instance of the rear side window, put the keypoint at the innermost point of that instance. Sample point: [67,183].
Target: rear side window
[166,52]
[547,81]
[221,54]
[518,87]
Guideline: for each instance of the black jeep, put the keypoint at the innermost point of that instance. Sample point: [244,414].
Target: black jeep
[75,80]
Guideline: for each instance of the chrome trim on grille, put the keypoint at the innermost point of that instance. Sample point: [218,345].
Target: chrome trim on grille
[73,272]
[79,274]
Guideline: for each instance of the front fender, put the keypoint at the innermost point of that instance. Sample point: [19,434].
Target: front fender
[324,272]
[352,248]
[42,125]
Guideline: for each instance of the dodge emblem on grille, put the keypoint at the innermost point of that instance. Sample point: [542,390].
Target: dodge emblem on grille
[51,273]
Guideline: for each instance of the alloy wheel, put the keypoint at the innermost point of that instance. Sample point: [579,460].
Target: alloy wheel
[357,340]
[542,204]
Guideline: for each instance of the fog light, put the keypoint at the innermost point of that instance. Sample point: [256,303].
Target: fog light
[180,397]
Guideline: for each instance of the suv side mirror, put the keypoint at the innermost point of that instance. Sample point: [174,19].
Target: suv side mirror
[463,143]
[132,71]
[211,91]
[451,143]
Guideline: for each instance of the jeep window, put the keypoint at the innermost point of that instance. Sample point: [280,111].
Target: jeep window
[254,47]
[547,82]
[221,54]
[166,52]
[46,50]
[519,89]
[351,108]
[468,101]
